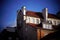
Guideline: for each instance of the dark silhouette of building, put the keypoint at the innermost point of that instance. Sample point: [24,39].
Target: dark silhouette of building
[9,35]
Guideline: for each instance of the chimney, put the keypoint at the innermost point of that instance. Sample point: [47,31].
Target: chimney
[45,14]
[24,10]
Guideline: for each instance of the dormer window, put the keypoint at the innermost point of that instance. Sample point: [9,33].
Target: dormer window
[47,26]
[32,20]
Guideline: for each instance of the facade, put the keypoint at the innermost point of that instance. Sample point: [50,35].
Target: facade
[36,24]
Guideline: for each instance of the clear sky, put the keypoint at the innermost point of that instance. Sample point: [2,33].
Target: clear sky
[9,9]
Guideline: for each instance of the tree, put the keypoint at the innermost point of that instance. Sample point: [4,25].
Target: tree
[58,27]
[58,14]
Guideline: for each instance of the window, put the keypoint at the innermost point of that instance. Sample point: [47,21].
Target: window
[49,21]
[47,26]
[37,21]
[54,22]
[28,20]
[32,20]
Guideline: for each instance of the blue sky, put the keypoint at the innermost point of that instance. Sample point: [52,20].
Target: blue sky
[9,9]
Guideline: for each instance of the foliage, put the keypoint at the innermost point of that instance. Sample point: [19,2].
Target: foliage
[58,14]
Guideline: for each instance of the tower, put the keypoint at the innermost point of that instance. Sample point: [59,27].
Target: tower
[21,22]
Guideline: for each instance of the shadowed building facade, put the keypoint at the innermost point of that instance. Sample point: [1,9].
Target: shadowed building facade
[35,25]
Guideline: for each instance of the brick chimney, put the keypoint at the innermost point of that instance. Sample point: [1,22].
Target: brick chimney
[45,14]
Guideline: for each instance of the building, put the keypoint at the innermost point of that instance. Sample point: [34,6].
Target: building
[9,33]
[35,25]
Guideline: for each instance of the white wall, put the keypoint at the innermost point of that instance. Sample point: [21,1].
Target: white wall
[54,21]
[47,26]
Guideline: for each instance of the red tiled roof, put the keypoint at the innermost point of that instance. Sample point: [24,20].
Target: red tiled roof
[52,16]
[34,14]
[39,14]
